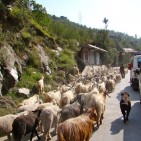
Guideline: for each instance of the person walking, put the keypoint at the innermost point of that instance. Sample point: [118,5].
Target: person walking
[122,71]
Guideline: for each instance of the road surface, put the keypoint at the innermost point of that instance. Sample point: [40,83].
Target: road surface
[113,128]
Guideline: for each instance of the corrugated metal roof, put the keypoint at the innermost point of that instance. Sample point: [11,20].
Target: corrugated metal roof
[96,48]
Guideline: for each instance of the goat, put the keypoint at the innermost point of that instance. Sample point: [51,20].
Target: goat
[78,128]
[74,109]
[32,100]
[97,100]
[23,125]
[6,124]
[41,85]
[30,107]
[82,88]
[110,85]
[53,96]
[48,118]
[66,97]
[125,105]
[75,71]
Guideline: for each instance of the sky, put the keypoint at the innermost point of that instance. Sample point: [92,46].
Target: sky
[123,15]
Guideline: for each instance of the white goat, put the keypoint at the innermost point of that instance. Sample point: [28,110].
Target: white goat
[30,107]
[44,105]
[53,96]
[66,97]
[48,119]
[41,86]
[32,100]
[81,88]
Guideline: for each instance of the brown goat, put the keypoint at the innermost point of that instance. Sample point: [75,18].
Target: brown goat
[77,129]
[75,71]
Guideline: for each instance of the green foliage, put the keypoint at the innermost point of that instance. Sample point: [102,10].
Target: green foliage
[13,94]
[26,36]
[34,59]
[39,28]
[3,12]
[6,2]
[40,15]
[70,44]
[29,78]
[17,17]
[62,27]
[19,46]
[28,24]
[23,4]
[66,59]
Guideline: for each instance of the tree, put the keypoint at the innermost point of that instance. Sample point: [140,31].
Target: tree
[7,2]
[105,21]
[39,13]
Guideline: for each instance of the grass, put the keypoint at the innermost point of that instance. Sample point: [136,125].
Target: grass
[29,78]
[7,105]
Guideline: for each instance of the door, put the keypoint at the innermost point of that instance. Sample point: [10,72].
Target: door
[92,57]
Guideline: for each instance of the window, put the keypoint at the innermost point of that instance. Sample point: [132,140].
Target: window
[139,62]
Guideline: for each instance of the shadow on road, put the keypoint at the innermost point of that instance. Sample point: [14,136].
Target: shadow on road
[131,129]
[134,95]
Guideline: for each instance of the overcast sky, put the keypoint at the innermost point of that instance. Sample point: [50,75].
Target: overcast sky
[123,15]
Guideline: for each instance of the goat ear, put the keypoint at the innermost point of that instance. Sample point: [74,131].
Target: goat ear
[122,94]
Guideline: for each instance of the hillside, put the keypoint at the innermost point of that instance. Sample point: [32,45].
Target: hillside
[34,43]
[28,50]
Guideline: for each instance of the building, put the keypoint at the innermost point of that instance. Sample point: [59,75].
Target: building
[90,54]
[128,50]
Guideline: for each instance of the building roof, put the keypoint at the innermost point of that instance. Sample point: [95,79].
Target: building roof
[96,48]
[128,50]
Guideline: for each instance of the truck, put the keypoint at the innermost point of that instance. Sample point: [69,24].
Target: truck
[135,69]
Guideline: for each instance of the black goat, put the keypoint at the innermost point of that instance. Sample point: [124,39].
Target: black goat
[25,124]
[125,105]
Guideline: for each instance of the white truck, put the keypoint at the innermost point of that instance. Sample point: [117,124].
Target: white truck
[135,70]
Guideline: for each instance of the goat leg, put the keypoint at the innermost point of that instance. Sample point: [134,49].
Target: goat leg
[37,134]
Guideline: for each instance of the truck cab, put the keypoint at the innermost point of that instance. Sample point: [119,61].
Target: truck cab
[135,68]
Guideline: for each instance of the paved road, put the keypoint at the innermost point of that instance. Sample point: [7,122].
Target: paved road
[113,128]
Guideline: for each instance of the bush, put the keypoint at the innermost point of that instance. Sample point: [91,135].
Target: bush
[66,60]
[39,28]
[26,36]
[17,18]
[29,78]
[34,59]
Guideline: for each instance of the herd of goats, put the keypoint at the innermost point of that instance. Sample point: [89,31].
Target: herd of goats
[72,109]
